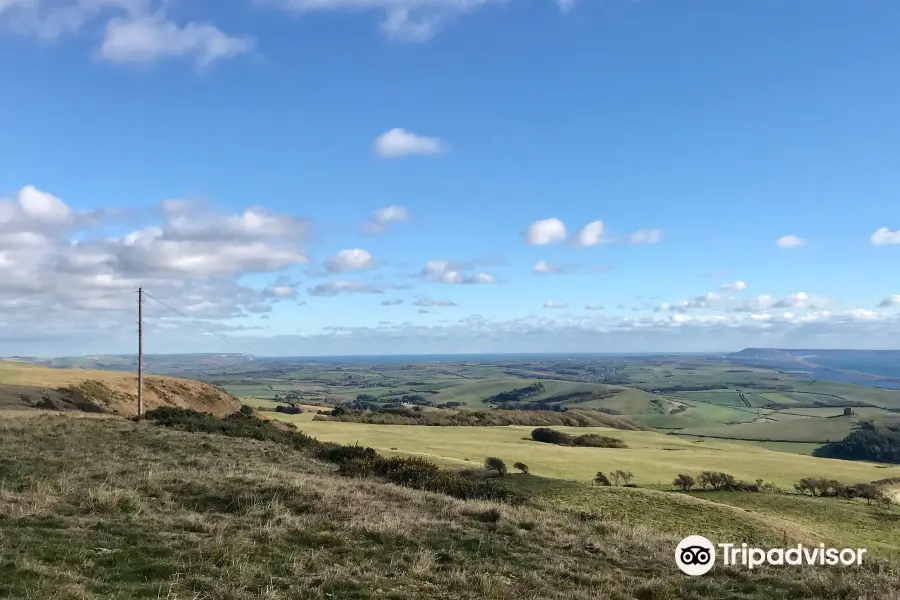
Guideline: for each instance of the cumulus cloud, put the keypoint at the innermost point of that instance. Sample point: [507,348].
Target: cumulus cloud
[885,236]
[349,260]
[592,234]
[136,31]
[734,286]
[147,39]
[645,236]
[594,307]
[399,142]
[383,218]
[555,304]
[790,241]
[60,274]
[392,302]
[545,231]
[445,271]
[432,302]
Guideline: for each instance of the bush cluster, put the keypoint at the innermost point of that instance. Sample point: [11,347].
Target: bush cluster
[418,473]
[561,438]
[483,418]
[877,443]
[352,460]
[831,488]
[722,482]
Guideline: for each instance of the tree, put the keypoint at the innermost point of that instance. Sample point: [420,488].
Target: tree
[601,479]
[522,467]
[494,463]
[684,482]
[622,477]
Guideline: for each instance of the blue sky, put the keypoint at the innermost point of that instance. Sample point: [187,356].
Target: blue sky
[715,129]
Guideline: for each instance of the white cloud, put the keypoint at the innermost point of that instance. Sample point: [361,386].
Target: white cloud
[762,302]
[885,236]
[147,39]
[136,31]
[333,288]
[431,302]
[796,300]
[594,307]
[383,217]
[349,260]
[890,301]
[645,236]
[734,286]
[392,302]
[399,142]
[543,267]
[790,241]
[192,258]
[445,271]
[404,20]
[545,231]
[708,301]
[592,234]
[555,304]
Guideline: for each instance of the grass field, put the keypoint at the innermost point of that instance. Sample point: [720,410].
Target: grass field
[109,509]
[793,429]
[653,458]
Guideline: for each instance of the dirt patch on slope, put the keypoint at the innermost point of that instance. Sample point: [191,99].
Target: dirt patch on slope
[27,387]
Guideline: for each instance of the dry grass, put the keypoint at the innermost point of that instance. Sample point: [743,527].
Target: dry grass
[26,387]
[107,508]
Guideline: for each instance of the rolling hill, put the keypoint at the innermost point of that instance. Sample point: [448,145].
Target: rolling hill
[28,387]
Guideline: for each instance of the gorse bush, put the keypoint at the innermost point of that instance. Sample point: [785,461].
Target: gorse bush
[495,464]
[521,467]
[684,482]
[561,438]
[352,460]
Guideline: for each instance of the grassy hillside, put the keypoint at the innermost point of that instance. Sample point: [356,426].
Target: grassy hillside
[29,387]
[793,428]
[654,458]
[105,508]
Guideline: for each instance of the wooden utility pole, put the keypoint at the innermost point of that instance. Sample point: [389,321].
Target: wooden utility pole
[140,365]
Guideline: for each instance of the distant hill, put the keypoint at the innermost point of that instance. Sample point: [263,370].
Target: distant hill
[880,363]
[30,387]
[162,364]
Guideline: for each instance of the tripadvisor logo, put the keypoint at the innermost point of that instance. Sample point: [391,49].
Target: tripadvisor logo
[696,555]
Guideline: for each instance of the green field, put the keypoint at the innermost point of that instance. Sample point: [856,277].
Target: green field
[653,458]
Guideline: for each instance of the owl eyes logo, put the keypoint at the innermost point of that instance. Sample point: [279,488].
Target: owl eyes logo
[695,555]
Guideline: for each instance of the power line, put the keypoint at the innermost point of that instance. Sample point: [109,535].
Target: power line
[203,325]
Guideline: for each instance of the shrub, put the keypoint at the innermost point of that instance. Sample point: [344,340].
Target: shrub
[352,460]
[684,482]
[521,467]
[601,479]
[716,480]
[620,477]
[496,464]
[551,436]
[598,441]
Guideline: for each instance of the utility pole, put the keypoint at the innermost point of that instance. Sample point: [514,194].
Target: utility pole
[140,408]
